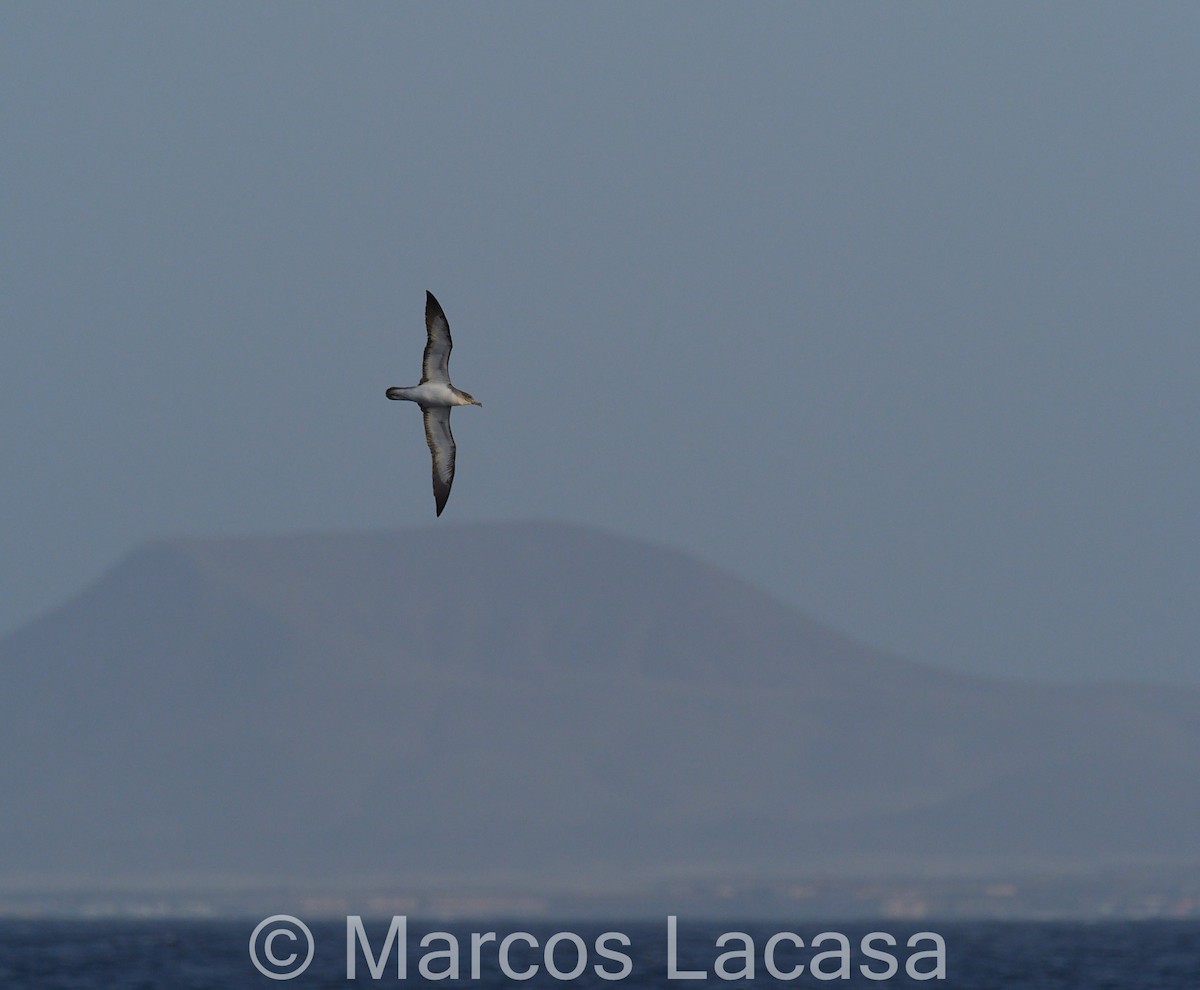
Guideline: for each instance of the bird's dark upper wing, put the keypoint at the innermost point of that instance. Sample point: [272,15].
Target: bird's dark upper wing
[441,446]
[436,365]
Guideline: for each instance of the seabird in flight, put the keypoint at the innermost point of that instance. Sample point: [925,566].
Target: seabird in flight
[436,397]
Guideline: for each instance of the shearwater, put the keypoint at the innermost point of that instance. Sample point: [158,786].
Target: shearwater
[436,397]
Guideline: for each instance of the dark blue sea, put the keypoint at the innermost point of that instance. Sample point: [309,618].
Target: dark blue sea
[182,955]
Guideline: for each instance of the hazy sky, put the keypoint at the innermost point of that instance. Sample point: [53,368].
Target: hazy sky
[893,310]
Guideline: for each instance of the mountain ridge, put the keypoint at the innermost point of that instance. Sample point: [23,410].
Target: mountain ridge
[538,701]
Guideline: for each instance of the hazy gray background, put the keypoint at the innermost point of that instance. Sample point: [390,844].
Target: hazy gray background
[892,310]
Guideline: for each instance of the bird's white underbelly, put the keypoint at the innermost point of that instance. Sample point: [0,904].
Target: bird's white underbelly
[431,394]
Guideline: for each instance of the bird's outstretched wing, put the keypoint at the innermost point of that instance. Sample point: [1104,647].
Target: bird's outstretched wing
[441,446]
[436,365]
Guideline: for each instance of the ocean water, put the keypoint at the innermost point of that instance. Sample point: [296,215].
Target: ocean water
[189,955]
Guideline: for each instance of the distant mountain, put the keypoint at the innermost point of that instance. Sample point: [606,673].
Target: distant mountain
[537,704]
